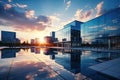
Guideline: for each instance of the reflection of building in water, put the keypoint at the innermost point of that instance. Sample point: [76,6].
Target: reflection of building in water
[90,58]
[52,56]
[35,50]
[32,41]
[9,53]
[70,60]
[51,52]
[32,49]
[75,60]
[107,56]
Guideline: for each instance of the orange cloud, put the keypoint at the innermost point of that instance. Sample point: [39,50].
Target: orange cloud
[7,6]
[82,15]
[99,9]
[29,14]
[22,21]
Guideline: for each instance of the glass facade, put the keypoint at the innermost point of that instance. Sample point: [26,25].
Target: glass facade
[8,37]
[103,31]
[69,36]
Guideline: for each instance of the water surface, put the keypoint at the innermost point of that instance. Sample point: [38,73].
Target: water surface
[30,63]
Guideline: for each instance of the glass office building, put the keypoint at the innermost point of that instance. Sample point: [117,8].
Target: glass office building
[69,36]
[9,37]
[103,31]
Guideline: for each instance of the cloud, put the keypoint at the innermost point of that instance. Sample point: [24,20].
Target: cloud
[55,23]
[54,18]
[29,14]
[22,21]
[57,14]
[82,15]
[21,5]
[68,4]
[99,9]
[7,6]
[9,0]
[66,22]
[110,28]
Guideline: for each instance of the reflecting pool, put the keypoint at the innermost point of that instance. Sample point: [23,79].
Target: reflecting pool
[34,63]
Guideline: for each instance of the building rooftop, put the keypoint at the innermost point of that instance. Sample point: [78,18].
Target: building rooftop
[73,22]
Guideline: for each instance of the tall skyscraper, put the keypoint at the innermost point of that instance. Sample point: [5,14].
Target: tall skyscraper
[52,34]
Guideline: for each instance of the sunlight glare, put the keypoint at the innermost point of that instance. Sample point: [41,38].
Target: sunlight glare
[42,40]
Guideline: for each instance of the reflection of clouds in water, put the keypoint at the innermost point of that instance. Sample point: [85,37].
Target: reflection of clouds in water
[3,69]
[29,77]
[111,28]
[33,70]
[29,66]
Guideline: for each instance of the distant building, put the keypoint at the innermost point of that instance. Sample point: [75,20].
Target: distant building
[48,39]
[32,41]
[52,34]
[35,41]
[70,35]
[9,37]
[17,40]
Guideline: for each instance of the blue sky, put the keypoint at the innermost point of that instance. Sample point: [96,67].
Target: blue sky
[37,18]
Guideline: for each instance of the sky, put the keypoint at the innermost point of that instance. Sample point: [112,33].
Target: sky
[37,18]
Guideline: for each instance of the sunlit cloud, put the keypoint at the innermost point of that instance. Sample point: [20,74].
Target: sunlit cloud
[7,6]
[57,14]
[85,15]
[68,4]
[62,24]
[55,24]
[82,15]
[29,14]
[22,21]
[99,9]
[21,5]
[54,18]
[36,24]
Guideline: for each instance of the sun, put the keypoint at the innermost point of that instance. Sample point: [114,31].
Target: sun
[42,41]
